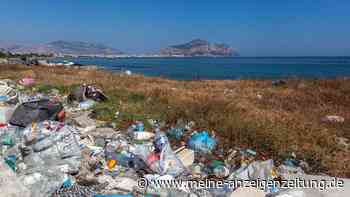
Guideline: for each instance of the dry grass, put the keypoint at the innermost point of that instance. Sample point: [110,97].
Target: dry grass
[286,119]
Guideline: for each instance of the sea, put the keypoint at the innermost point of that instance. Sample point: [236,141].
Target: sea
[225,68]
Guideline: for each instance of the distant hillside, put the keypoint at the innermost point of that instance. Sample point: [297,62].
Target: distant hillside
[60,47]
[199,47]
[7,46]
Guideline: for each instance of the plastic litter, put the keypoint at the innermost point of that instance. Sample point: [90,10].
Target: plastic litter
[221,171]
[11,161]
[3,98]
[84,157]
[6,113]
[140,127]
[251,152]
[333,119]
[8,93]
[176,133]
[127,184]
[10,185]
[143,135]
[27,81]
[111,164]
[128,72]
[87,104]
[84,92]
[202,142]
[279,83]
[169,163]
[186,156]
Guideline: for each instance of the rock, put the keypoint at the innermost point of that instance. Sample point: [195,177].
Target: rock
[333,119]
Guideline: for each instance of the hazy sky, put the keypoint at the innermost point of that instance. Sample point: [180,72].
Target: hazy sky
[254,27]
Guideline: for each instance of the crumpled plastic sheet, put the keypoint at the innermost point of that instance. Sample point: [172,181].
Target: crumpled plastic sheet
[54,153]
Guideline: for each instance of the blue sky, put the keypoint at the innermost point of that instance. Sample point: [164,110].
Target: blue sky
[254,27]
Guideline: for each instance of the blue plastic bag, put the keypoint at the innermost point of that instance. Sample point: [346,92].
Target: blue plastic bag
[202,142]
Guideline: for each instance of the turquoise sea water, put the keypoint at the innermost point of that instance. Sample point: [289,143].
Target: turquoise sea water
[228,68]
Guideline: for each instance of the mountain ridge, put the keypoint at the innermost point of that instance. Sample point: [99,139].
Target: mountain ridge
[60,47]
[199,47]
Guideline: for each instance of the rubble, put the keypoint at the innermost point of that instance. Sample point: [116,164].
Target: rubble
[45,152]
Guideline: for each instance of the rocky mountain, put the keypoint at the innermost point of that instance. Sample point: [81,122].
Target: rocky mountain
[199,47]
[60,47]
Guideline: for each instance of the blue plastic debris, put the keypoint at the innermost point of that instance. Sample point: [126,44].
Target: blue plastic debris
[160,141]
[87,104]
[67,183]
[251,152]
[3,98]
[202,142]
[290,162]
[11,161]
[140,127]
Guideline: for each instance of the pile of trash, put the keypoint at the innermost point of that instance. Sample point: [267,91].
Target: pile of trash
[51,146]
